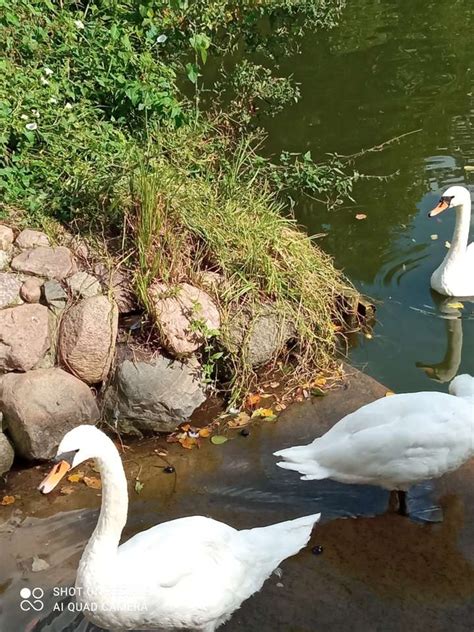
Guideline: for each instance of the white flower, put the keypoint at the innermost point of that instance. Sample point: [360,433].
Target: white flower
[48,71]
[35,113]
[79,24]
[52,100]
[44,81]
[31,127]
[68,106]
[161,39]
[24,117]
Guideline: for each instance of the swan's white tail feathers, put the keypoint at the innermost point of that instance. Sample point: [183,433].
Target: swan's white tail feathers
[296,454]
[311,471]
[278,541]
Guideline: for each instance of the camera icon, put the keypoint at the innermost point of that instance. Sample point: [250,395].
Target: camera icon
[32,599]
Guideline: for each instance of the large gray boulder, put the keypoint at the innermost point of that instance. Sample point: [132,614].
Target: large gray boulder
[24,337]
[261,337]
[40,406]
[6,454]
[154,395]
[52,263]
[87,338]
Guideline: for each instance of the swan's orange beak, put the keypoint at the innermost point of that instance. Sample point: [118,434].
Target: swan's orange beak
[439,208]
[53,478]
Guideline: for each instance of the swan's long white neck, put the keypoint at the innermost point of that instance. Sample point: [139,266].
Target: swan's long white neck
[102,546]
[461,231]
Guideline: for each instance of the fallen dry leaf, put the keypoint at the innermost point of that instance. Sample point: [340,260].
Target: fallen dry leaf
[7,500]
[252,400]
[66,490]
[75,478]
[239,421]
[92,481]
[205,432]
[320,381]
[447,244]
[361,216]
[188,442]
[389,393]
[434,237]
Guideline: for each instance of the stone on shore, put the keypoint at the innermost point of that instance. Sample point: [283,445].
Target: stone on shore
[24,337]
[54,294]
[52,263]
[40,406]
[154,395]
[119,285]
[183,313]
[31,239]
[6,454]
[31,290]
[83,285]
[261,338]
[6,237]
[10,285]
[87,338]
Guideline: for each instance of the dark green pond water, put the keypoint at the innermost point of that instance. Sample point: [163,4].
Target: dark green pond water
[391,67]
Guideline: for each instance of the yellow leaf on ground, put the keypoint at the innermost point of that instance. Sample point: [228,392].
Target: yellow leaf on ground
[7,500]
[92,481]
[239,421]
[204,432]
[75,478]
[266,413]
[320,381]
[388,393]
[455,305]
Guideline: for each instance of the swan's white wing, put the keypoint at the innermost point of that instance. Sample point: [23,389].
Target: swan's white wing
[403,438]
[171,551]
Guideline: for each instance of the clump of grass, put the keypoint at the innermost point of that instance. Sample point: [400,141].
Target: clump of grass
[207,206]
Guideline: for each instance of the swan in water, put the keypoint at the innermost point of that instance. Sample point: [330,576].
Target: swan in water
[393,442]
[190,573]
[455,276]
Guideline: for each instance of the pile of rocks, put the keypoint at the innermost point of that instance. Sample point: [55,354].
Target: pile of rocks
[61,365]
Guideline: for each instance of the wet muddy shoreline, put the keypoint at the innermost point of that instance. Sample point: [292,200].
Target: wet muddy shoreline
[377,571]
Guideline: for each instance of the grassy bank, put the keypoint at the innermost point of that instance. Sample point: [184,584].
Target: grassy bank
[103,128]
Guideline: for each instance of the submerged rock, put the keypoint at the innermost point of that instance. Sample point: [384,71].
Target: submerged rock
[24,337]
[87,338]
[31,239]
[6,454]
[261,337]
[40,406]
[154,395]
[183,313]
[52,263]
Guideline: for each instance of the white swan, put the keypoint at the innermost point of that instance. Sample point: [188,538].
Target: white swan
[455,276]
[393,442]
[190,573]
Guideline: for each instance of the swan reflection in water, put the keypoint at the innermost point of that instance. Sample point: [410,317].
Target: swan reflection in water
[447,368]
